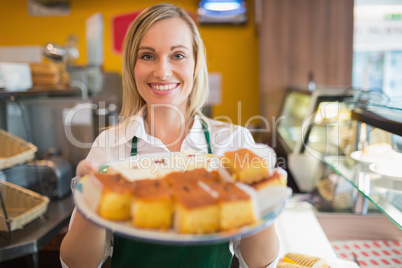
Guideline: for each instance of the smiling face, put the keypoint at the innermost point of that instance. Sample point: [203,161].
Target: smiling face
[164,68]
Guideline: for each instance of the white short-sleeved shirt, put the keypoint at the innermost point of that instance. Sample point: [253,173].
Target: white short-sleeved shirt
[115,144]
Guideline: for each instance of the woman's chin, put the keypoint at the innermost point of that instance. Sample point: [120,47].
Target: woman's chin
[171,104]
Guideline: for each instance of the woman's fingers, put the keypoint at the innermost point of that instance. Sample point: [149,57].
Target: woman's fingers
[84,167]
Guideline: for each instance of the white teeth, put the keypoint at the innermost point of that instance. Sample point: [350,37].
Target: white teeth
[163,88]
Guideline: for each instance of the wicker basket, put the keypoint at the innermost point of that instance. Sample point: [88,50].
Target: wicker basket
[22,206]
[14,150]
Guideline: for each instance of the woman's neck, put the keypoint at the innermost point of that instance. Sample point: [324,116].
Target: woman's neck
[168,124]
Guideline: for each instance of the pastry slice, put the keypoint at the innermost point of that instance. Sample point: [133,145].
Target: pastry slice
[282,264]
[245,166]
[305,260]
[152,205]
[196,210]
[116,197]
[274,180]
[236,207]
[270,191]
[191,177]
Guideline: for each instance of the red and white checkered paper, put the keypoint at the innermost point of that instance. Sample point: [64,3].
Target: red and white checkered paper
[371,253]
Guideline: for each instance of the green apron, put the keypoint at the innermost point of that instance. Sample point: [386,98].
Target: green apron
[133,253]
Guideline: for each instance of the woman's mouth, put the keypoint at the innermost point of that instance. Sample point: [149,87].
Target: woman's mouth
[164,87]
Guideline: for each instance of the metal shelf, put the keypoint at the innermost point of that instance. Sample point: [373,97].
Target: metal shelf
[39,93]
[388,119]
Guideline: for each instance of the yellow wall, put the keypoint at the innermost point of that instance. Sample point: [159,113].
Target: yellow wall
[231,50]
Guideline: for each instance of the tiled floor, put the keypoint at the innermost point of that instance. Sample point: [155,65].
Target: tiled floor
[371,253]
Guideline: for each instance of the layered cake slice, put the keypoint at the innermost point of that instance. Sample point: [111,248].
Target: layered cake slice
[152,206]
[196,210]
[269,190]
[245,166]
[274,180]
[116,197]
[236,207]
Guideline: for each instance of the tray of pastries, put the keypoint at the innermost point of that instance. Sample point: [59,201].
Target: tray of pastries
[184,198]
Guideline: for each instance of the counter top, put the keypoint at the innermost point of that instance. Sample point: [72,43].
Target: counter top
[299,231]
[33,236]
[39,93]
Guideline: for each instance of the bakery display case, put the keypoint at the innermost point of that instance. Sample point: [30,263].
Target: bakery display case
[344,149]
[374,167]
[313,124]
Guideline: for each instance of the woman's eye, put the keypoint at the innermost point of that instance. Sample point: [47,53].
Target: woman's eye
[178,56]
[147,57]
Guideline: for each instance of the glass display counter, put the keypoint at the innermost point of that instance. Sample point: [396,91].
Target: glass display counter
[375,167]
[313,124]
[344,148]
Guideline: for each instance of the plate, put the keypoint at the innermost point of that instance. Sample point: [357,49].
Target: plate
[369,159]
[269,210]
[360,157]
[125,228]
[388,170]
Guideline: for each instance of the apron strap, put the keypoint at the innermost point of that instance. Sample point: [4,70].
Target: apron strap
[134,146]
[206,134]
[204,128]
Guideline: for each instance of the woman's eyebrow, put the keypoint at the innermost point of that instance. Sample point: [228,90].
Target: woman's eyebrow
[171,48]
[179,46]
[146,48]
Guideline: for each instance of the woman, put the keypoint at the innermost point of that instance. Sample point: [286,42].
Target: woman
[164,89]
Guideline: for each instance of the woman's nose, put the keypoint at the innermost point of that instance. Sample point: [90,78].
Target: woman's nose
[163,69]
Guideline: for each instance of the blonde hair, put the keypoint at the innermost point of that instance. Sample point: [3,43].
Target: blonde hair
[132,100]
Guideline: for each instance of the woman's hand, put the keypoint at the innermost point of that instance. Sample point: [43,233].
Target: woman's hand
[260,249]
[85,166]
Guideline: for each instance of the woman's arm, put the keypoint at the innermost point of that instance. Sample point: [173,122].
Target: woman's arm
[260,249]
[84,243]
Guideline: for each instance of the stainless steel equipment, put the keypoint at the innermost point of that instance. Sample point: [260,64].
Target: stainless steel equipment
[62,124]
[66,125]
[55,174]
